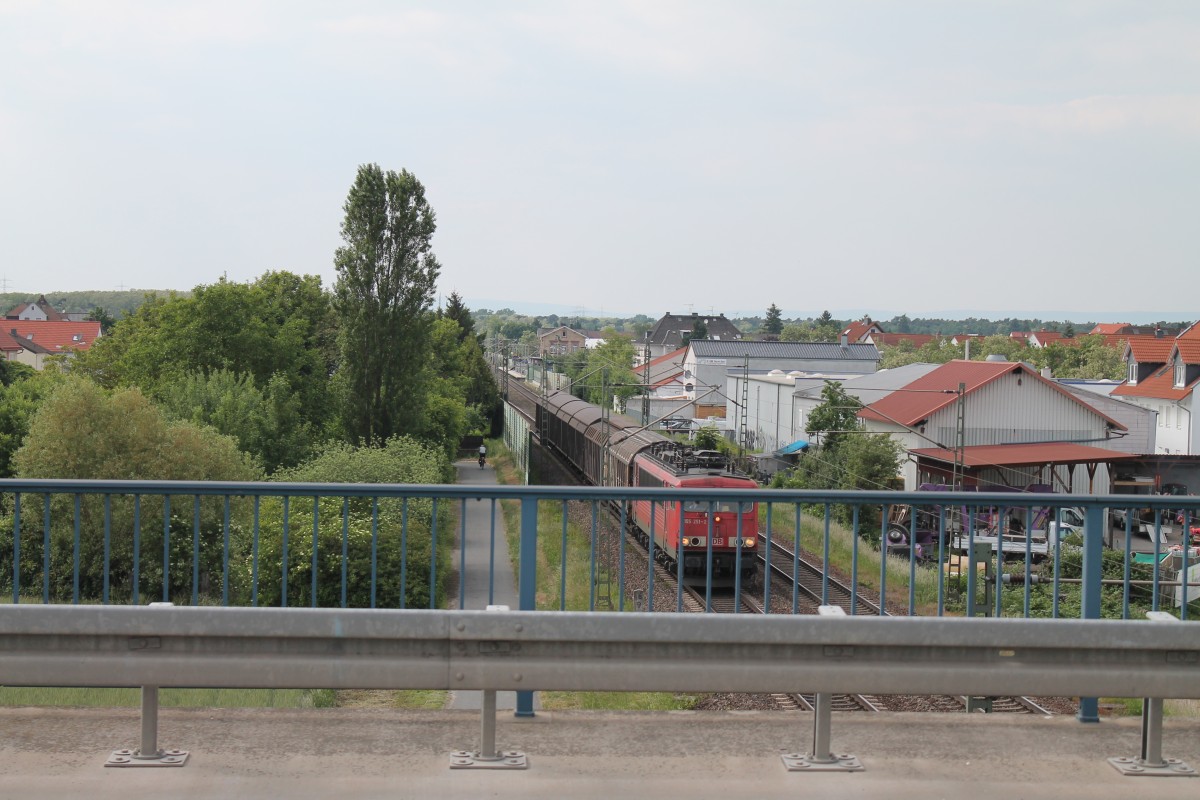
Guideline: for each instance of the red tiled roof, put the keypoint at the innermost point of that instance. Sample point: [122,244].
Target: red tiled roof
[1150,349]
[1111,328]
[855,331]
[668,380]
[1159,385]
[1046,337]
[56,337]
[939,388]
[677,355]
[1189,350]
[1025,455]
[893,339]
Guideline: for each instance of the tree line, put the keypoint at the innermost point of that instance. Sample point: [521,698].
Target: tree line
[275,379]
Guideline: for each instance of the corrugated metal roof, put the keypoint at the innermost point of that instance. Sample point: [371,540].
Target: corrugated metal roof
[939,388]
[822,351]
[936,390]
[1025,455]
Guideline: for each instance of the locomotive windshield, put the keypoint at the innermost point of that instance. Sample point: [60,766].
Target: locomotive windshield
[724,506]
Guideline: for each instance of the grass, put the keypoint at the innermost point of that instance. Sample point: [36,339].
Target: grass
[167,698]
[577,590]
[782,517]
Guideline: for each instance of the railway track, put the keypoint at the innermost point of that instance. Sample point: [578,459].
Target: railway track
[812,580]
[799,575]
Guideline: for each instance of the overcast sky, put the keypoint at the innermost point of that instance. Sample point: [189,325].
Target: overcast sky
[621,157]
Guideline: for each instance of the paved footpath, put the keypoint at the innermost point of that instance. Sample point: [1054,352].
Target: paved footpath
[487,555]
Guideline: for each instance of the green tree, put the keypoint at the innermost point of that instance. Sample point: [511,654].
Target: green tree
[458,311]
[386,277]
[774,322]
[602,372]
[123,436]
[708,438]
[106,320]
[379,535]
[20,399]
[699,329]
[847,457]
[280,324]
[835,417]
[267,423]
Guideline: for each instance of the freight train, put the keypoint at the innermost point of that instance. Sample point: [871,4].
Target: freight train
[612,450]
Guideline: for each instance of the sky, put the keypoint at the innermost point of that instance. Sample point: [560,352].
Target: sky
[1030,159]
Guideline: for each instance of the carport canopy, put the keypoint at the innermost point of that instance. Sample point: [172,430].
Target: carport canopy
[999,456]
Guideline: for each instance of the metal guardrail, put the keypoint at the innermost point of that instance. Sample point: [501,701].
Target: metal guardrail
[388,546]
[500,650]
[592,651]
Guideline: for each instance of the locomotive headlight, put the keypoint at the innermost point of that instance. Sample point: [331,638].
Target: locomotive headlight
[717,518]
[748,542]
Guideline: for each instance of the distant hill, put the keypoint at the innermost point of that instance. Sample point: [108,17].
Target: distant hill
[117,304]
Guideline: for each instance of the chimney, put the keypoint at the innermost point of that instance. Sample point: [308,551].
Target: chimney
[1158,332]
[845,339]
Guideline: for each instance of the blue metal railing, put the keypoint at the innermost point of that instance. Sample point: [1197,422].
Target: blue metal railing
[393,546]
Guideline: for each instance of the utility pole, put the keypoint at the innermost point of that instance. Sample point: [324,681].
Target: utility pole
[646,386]
[743,426]
[960,437]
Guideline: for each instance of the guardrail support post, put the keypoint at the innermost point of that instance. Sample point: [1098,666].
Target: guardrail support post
[486,756]
[821,759]
[148,755]
[1151,761]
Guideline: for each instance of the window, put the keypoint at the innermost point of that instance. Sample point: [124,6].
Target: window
[723,506]
[1132,371]
[1180,370]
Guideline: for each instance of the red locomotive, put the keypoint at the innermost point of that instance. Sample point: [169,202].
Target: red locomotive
[612,450]
[732,525]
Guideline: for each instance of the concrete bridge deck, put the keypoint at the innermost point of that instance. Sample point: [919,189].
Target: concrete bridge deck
[367,753]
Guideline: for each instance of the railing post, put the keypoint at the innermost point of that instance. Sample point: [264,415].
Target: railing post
[527,580]
[821,759]
[1151,761]
[1093,573]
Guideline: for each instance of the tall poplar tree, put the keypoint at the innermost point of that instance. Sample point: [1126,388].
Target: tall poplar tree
[384,294]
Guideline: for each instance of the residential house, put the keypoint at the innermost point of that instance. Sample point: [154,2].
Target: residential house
[1017,426]
[1140,422]
[1163,374]
[1111,329]
[861,331]
[564,340]
[37,310]
[674,330]
[32,341]
[916,340]
[666,389]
